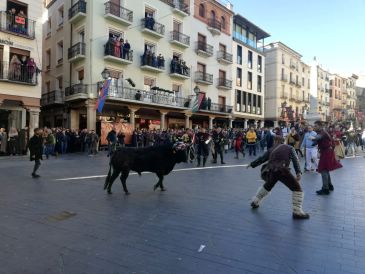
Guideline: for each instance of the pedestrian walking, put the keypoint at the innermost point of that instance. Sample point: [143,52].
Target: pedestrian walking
[36,150]
[276,169]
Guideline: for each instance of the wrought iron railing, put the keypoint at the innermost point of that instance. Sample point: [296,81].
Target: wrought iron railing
[16,72]
[76,89]
[52,97]
[151,24]
[215,24]
[204,77]
[180,37]
[110,49]
[151,60]
[203,46]
[179,67]
[178,4]
[79,6]
[214,107]
[18,25]
[77,49]
[223,82]
[119,11]
[225,56]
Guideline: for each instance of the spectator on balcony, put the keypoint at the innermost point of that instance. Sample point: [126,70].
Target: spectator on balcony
[155,63]
[15,68]
[150,22]
[160,61]
[31,69]
[109,46]
[117,44]
[126,50]
[149,58]
[174,65]
[11,20]
[185,68]
[121,48]
[22,22]
[209,103]
[204,103]
[23,68]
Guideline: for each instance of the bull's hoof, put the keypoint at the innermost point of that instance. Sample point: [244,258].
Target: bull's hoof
[127,193]
[155,187]
[110,192]
[163,189]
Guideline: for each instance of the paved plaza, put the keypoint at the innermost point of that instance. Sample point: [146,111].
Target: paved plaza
[64,222]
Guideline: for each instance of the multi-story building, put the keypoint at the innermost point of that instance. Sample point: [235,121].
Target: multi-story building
[287,81]
[20,63]
[249,72]
[351,105]
[336,99]
[323,99]
[157,54]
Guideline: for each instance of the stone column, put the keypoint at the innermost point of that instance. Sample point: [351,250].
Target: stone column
[163,120]
[245,123]
[90,114]
[187,120]
[132,117]
[230,122]
[24,118]
[74,119]
[211,119]
[33,120]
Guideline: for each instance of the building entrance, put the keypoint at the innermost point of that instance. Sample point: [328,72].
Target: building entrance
[4,119]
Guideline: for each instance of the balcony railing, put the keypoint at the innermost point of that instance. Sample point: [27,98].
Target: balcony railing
[78,7]
[153,61]
[203,77]
[238,36]
[180,37]
[225,56]
[123,53]
[204,47]
[291,81]
[76,89]
[284,95]
[214,107]
[150,24]
[284,78]
[225,83]
[53,97]
[18,73]
[118,11]
[178,5]
[17,25]
[77,49]
[215,24]
[180,68]
[148,97]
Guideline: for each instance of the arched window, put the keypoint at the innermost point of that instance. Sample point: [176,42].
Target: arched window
[223,22]
[201,10]
[212,15]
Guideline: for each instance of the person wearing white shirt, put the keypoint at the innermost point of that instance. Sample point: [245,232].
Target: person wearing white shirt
[311,151]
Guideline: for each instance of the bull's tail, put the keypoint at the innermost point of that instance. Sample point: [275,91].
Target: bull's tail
[108,177]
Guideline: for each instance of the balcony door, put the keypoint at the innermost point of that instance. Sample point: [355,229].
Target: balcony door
[177,26]
[222,48]
[115,7]
[222,75]
[222,103]
[202,67]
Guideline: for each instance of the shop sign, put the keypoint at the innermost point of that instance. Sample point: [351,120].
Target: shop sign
[6,42]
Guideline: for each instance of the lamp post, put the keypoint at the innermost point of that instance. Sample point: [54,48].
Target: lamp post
[196,90]
[105,74]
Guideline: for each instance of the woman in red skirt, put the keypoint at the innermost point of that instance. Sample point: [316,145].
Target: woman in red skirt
[239,144]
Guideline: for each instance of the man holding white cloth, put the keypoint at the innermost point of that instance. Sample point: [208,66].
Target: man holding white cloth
[311,151]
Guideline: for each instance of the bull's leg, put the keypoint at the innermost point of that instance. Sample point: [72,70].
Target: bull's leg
[123,179]
[159,183]
[112,179]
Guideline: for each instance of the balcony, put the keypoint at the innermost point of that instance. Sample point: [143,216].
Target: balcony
[152,62]
[77,52]
[292,98]
[292,82]
[153,97]
[204,49]
[151,27]
[243,39]
[18,74]
[77,91]
[179,69]
[284,78]
[203,78]
[54,97]
[293,66]
[77,12]
[178,7]
[180,39]
[124,57]
[224,57]
[217,108]
[214,26]
[298,85]
[118,14]
[224,83]
[17,25]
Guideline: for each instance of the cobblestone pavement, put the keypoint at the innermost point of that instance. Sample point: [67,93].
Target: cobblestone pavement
[202,224]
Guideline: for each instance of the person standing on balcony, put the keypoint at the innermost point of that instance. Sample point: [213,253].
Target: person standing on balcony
[31,69]
[14,68]
[126,50]
[117,47]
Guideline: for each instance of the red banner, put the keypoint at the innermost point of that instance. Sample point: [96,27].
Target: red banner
[20,20]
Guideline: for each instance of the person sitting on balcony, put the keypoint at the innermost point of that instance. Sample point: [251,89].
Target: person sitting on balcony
[160,61]
[14,68]
[31,69]
[126,49]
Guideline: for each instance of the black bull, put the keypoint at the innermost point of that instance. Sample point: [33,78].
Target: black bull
[160,160]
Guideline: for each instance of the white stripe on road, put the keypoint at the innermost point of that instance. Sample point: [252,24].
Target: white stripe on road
[134,173]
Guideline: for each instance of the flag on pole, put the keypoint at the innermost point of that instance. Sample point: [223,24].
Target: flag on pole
[103,93]
[197,102]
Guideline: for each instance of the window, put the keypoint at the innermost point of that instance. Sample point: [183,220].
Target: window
[60,16]
[258,104]
[222,75]
[81,73]
[82,36]
[259,83]
[212,15]
[60,83]
[249,102]
[259,63]
[223,22]
[177,88]
[303,94]
[238,100]
[249,59]
[239,77]
[48,86]
[291,77]
[49,26]
[201,10]
[303,81]
[222,48]
[48,59]
[149,12]
[149,47]
[283,59]
[239,55]
[201,67]
[60,52]
[244,101]
[282,74]
[297,80]
[249,80]
[149,83]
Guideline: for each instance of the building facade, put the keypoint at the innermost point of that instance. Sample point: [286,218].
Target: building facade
[323,91]
[287,81]
[20,63]
[336,97]
[158,54]
[351,99]
[249,72]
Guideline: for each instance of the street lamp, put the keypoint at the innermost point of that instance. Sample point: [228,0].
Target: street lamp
[105,74]
[196,90]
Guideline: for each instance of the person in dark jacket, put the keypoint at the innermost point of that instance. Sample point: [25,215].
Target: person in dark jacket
[112,141]
[277,169]
[36,150]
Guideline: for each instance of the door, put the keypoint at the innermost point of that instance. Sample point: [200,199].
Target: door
[115,7]
[222,103]
[202,44]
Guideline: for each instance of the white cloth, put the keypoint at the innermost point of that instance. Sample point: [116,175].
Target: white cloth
[311,153]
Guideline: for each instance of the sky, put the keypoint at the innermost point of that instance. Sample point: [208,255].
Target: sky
[331,30]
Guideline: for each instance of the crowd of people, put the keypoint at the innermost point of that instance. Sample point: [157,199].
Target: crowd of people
[117,47]
[149,58]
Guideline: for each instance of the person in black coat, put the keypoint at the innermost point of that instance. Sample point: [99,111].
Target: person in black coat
[36,150]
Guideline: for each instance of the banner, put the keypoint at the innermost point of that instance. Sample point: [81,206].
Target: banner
[102,95]
[197,103]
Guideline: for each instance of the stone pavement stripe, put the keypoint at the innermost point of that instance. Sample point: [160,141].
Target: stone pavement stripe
[134,173]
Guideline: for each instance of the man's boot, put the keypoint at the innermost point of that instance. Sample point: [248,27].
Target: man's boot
[204,161]
[298,212]
[323,191]
[198,159]
[261,193]
[222,162]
